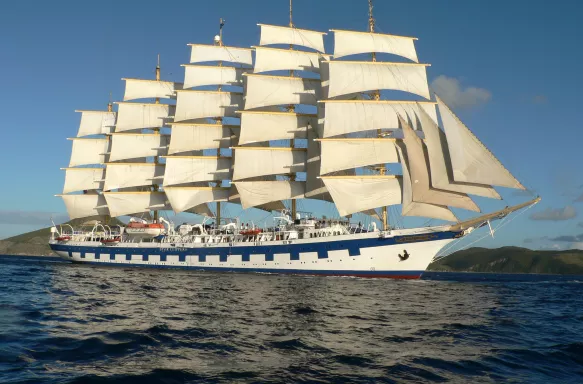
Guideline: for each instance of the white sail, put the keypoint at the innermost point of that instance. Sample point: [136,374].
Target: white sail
[133,146]
[96,123]
[184,198]
[275,59]
[191,169]
[259,126]
[88,151]
[274,34]
[472,162]
[353,42]
[418,166]
[440,162]
[265,90]
[340,154]
[349,116]
[315,188]
[193,137]
[235,197]
[145,89]
[261,161]
[126,203]
[200,75]
[126,175]
[202,210]
[199,104]
[413,208]
[83,179]
[142,115]
[257,193]
[86,205]
[359,76]
[202,53]
[354,194]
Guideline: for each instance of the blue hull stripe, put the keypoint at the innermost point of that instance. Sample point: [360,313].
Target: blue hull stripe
[353,246]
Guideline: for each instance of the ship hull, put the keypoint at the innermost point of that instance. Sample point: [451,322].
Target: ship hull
[362,255]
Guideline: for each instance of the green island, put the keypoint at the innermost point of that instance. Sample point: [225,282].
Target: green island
[512,260]
[35,243]
[495,260]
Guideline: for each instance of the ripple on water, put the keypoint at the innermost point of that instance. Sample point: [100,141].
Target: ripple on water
[61,323]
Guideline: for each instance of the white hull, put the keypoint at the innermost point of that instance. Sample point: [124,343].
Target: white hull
[366,254]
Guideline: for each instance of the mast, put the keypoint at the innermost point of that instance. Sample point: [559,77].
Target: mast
[86,170]
[157,131]
[265,170]
[376,95]
[194,178]
[219,120]
[436,174]
[292,108]
[132,181]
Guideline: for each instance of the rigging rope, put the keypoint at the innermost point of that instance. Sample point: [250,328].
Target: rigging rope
[502,223]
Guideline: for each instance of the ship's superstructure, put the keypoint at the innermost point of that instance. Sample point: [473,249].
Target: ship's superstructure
[295,123]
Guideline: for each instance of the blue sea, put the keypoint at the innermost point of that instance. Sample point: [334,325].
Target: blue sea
[64,323]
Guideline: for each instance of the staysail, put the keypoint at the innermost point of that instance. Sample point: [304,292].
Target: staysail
[472,162]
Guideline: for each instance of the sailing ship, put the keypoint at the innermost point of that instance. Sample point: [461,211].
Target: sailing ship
[294,123]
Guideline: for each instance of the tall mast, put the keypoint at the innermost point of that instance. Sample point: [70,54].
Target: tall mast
[219,119]
[292,108]
[109,109]
[157,131]
[376,95]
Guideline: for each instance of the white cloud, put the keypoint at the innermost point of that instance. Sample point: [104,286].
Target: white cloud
[555,214]
[577,245]
[553,247]
[451,91]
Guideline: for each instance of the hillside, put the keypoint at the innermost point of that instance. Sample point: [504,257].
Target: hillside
[34,243]
[512,260]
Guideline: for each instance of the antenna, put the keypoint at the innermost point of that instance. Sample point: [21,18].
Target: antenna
[371,20]
[110,104]
[158,69]
[219,37]
[291,24]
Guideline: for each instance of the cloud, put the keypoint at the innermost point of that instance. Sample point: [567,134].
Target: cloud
[577,245]
[579,199]
[554,247]
[454,95]
[31,217]
[530,240]
[539,99]
[568,238]
[555,214]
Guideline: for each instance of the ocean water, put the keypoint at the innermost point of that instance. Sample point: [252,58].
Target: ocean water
[63,323]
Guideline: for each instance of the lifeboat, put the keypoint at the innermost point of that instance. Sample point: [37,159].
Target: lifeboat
[250,232]
[63,238]
[111,241]
[144,229]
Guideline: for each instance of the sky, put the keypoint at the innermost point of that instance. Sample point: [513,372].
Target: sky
[510,70]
